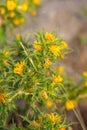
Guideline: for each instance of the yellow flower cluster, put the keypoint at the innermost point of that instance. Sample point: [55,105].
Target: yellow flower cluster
[3,98]
[57,79]
[49,37]
[54,118]
[70,104]
[55,50]
[19,68]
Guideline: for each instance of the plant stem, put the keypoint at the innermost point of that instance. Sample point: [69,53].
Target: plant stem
[77,113]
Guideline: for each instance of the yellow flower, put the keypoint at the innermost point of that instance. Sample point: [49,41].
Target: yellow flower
[49,103]
[62,129]
[2,10]
[35,124]
[36,2]
[16,22]
[55,50]
[6,53]
[70,104]
[12,14]
[85,73]
[37,46]
[57,79]
[40,118]
[60,69]
[11,5]
[64,45]
[85,83]
[49,37]
[54,118]
[3,98]
[19,68]
[44,95]
[33,12]
[23,7]
[48,73]
[5,63]
[47,63]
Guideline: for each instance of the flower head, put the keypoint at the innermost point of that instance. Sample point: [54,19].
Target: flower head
[19,68]
[57,79]
[2,98]
[49,37]
[55,50]
[11,5]
[2,10]
[36,2]
[70,104]
[49,103]
[24,7]
[60,69]
[54,118]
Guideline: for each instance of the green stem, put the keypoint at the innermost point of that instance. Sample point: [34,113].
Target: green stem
[30,59]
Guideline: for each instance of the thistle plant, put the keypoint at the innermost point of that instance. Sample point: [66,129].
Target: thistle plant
[28,73]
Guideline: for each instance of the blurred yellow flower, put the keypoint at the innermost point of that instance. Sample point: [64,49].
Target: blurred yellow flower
[49,37]
[44,95]
[85,83]
[3,98]
[35,124]
[5,62]
[62,129]
[16,22]
[11,5]
[2,10]
[49,103]
[19,67]
[40,118]
[85,73]
[47,63]
[71,104]
[55,50]
[12,14]
[33,12]
[57,79]
[23,7]
[36,2]
[64,45]
[60,69]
